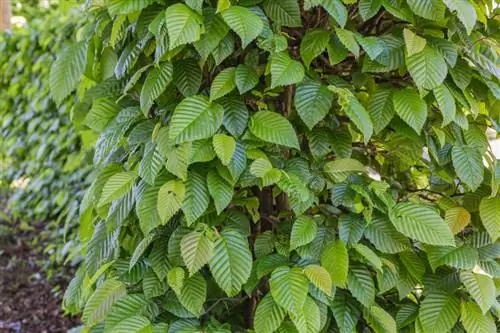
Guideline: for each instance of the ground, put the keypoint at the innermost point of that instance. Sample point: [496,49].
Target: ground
[29,303]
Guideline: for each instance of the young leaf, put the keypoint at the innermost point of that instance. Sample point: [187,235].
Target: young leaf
[224,146]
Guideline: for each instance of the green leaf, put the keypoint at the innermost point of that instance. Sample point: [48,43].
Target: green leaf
[313,102]
[381,109]
[414,265]
[410,107]
[313,44]
[414,43]
[462,257]
[489,210]
[178,159]
[223,83]
[244,22]
[368,8]
[246,78]
[481,288]
[335,260]
[231,263]
[235,114]
[196,251]
[370,256]
[348,39]
[421,223]
[273,127]
[341,168]
[184,25]
[268,315]
[187,76]
[197,197]
[260,167]
[223,5]
[220,190]
[429,9]
[193,294]
[474,321]
[337,10]
[156,83]
[134,324]
[283,12]
[304,231]
[215,32]
[175,278]
[127,6]
[308,319]
[170,197]
[102,299]
[355,111]
[465,11]
[446,103]
[361,286]
[152,285]
[151,164]
[407,315]
[379,320]
[439,311]
[427,68]
[67,70]
[124,308]
[320,278]
[345,312]
[289,288]
[385,237]
[195,118]
[351,228]
[224,146]
[117,186]
[285,71]
[468,164]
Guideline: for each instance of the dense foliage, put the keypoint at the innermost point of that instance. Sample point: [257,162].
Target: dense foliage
[40,150]
[288,166]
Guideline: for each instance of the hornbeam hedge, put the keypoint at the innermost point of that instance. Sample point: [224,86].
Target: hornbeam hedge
[288,166]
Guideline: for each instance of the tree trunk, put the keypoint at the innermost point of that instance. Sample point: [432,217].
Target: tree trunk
[5,14]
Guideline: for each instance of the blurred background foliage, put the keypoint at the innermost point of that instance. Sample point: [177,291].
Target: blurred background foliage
[43,164]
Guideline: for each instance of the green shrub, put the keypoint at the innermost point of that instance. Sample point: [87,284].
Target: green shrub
[42,171]
[288,166]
